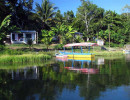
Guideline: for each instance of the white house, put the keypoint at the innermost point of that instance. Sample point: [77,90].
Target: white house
[23,36]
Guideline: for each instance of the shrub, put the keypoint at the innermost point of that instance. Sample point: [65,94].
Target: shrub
[13,52]
[30,43]
[2,47]
[59,46]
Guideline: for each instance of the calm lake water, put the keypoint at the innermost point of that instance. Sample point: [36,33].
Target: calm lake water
[67,79]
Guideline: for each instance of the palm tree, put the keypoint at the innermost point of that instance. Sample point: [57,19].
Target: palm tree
[3,28]
[45,11]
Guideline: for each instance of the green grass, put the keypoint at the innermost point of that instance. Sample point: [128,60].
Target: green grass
[24,58]
[114,51]
[108,53]
[19,65]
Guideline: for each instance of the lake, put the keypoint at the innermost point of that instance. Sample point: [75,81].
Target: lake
[67,79]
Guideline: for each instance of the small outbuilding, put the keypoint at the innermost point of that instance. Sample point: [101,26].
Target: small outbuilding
[100,42]
[23,36]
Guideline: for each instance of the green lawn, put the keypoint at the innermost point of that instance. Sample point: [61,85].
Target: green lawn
[41,48]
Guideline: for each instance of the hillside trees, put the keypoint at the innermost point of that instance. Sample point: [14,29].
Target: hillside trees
[89,19]
[115,24]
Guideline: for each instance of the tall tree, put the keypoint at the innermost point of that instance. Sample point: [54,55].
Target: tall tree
[98,22]
[86,12]
[126,10]
[20,11]
[46,11]
[69,17]
[59,17]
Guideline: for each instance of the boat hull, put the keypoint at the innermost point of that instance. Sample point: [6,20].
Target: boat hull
[61,56]
[82,59]
[81,56]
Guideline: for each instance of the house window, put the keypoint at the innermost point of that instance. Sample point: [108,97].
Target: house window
[28,36]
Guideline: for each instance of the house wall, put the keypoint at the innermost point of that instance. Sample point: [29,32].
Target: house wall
[16,37]
[24,38]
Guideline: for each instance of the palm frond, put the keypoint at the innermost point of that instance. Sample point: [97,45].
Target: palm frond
[5,22]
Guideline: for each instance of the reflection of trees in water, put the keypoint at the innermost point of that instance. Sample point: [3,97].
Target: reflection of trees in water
[54,78]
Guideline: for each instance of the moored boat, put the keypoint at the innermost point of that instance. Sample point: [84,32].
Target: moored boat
[81,54]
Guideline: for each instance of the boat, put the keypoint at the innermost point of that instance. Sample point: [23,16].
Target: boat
[81,54]
[61,56]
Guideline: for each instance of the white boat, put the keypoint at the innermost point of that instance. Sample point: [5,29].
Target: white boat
[61,56]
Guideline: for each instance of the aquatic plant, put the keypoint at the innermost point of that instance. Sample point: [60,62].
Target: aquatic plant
[24,58]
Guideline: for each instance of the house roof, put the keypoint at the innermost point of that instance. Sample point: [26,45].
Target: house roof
[28,31]
[81,44]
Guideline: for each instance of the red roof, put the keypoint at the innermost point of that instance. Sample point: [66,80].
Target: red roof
[81,44]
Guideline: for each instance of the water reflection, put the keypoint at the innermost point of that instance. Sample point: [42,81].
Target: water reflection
[79,65]
[64,80]
[100,61]
[25,73]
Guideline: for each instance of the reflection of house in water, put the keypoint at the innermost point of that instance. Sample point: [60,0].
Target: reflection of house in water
[100,61]
[25,73]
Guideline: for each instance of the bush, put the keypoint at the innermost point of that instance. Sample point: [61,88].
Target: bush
[2,47]
[59,46]
[13,52]
[113,44]
[30,43]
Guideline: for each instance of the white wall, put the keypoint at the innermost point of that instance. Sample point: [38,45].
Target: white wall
[100,42]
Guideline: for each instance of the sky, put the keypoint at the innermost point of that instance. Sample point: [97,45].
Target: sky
[67,5]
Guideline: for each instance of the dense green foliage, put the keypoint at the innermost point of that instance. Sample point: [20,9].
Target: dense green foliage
[47,37]
[3,26]
[30,43]
[92,21]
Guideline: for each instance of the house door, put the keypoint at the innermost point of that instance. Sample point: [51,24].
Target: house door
[20,37]
[13,37]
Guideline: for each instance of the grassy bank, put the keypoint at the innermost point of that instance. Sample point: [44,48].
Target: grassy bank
[108,53]
[113,51]
[19,65]
[24,58]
